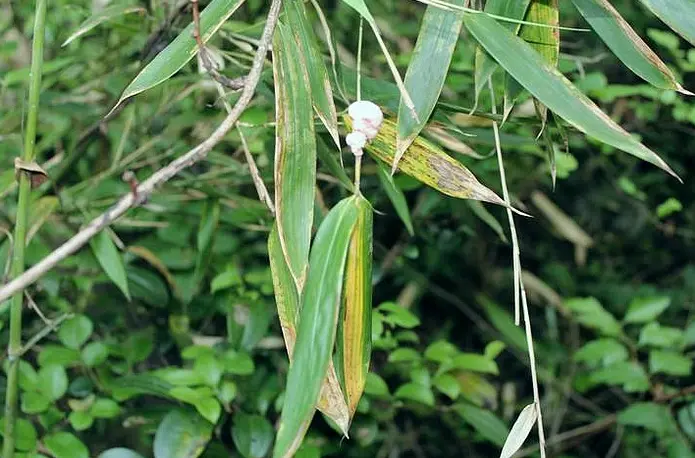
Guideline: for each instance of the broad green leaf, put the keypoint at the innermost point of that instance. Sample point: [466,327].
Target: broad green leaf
[404,355]
[34,402]
[428,68]
[670,363]
[602,352]
[628,374]
[620,38]
[354,340]
[484,65]
[105,408]
[655,335]
[331,400]
[65,445]
[590,313]
[80,420]
[119,452]
[427,163]
[181,50]
[397,315]
[317,325]
[75,331]
[646,309]
[94,354]
[295,152]
[669,207]
[650,415]
[476,363]
[57,354]
[396,197]
[441,351]
[25,435]
[252,435]
[110,260]
[181,434]
[416,392]
[321,91]
[549,86]
[520,431]
[52,381]
[104,15]
[448,385]
[677,14]
[376,386]
[483,421]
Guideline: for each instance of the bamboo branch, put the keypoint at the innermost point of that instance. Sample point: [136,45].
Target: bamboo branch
[159,177]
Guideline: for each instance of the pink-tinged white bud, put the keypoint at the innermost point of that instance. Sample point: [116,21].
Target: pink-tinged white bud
[366,118]
[356,141]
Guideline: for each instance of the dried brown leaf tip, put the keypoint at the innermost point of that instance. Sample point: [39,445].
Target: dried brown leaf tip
[37,175]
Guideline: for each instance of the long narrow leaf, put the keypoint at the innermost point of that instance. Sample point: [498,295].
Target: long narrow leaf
[396,197]
[321,91]
[354,344]
[182,49]
[427,70]
[428,164]
[110,260]
[677,14]
[617,34]
[104,15]
[295,152]
[331,400]
[520,431]
[553,89]
[317,326]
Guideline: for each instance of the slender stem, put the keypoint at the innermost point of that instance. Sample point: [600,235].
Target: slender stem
[161,176]
[14,347]
[359,60]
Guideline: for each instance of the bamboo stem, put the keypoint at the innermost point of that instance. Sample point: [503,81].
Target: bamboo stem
[14,347]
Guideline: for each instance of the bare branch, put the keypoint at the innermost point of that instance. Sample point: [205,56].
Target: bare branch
[159,177]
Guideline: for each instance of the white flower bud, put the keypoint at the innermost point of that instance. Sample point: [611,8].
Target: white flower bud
[366,118]
[356,141]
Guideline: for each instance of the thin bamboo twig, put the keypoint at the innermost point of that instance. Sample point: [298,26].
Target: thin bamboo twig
[14,346]
[159,177]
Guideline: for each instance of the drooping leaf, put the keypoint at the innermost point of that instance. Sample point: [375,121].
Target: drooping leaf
[321,91]
[104,15]
[110,260]
[182,49]
[331,400]
[427,163]
[590,313]
[483,421]
[252,435]
[549,86]
[626,44]
[182,434]
[677,14]
[317,325]
[295,152]
[396,197]
[354,341]
[520,431]
[429,65]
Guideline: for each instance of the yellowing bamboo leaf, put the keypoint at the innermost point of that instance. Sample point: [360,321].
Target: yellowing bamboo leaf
[321,91]
[427,163]
[549,86]
[617,34]
[316,331]
[354,343]
[427,70]
[295,152]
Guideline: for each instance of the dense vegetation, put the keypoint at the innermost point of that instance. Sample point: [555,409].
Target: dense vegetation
[161,336]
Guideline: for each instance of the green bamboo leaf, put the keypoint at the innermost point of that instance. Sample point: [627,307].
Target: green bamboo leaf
[317,325]
[295,152]
[427,163]
[427,70]
[332,400]
[181,50]
[321,91]
[354,343]
[327,157]
[110,260]
[102,16]
[484,65]
[396,197]
[554,90]
[677,14]
[617,34]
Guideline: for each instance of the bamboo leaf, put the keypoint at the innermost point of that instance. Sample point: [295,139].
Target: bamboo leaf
[548,85]
[295,152]
[617,34]
[396,197]
[327,158]
[354,343]
[181,50]
[520,431]
[102,16]
[427,70]
[110,260]
[331,401]
[317,325]
[428,164]
[321,91]
[677,14]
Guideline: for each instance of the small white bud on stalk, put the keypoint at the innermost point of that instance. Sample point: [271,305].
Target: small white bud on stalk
[356,141]
[366,118]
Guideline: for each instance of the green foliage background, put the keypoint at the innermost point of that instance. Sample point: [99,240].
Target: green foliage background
[198,348]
